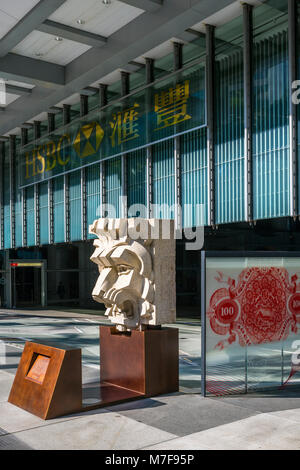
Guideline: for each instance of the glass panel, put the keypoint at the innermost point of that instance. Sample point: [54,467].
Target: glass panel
[163,180]
[44,214]
[170,107]
[93,195]
[136,183]
[271,182]
[113,187]
[164,66]
[194,50]
[58,210]
[75,205]
[6,198]
[30,219]
[230,132]
[18,209]
[252,318]
[94,101]
[194,178]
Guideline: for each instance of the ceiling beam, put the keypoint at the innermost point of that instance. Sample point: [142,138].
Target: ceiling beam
[89,91]
[73,34]
[17,90]
[147,5]
[33,71]
[27,24]
[144,33]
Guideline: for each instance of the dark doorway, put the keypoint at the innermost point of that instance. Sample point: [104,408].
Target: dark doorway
[26,287]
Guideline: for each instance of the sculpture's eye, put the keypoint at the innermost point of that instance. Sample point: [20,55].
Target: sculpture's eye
[122,269]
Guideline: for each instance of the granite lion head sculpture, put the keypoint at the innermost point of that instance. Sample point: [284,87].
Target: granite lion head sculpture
[134,269]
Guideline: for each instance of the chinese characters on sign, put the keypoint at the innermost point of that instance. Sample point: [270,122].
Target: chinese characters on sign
[125,126]
[175,107]
[171,106]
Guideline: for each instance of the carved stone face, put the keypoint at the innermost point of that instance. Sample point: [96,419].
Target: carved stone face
[136,280]
[124,284]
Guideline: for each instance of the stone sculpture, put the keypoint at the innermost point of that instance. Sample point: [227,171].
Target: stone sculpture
[136,261]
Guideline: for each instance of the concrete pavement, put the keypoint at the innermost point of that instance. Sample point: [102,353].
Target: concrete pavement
[182,421]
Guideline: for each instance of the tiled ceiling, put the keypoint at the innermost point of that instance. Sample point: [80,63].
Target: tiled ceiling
[96,17]
[11,11]
[90,16]
[45,47]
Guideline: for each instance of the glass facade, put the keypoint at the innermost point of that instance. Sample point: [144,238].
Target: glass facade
[271,146]
[178,168]
[230,145]
[270,192]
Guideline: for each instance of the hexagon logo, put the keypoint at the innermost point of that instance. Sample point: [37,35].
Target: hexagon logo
[88,140]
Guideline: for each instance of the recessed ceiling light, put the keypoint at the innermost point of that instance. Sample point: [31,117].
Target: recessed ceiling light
[39,54]
[106,2]
[80,22]
[58,39]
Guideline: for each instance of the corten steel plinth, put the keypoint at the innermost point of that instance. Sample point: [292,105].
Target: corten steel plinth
[135,364]
[145,362]
[48,382]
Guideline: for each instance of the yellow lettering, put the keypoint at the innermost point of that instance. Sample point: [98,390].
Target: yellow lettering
[29,163]
[51,148]
[62,161]
[41,160]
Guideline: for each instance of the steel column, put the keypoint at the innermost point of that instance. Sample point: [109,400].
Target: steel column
[177,163]
[294,186]
[102,188]
[67,207]
[124,208]
[51,122]
[37,214]
[103,95]
[37,129]
[12,184]
[150,77]
[83,204]
[66,114]
[24,141]
[24,136]
[84,105]
[210,106]
[149,197]
[149,70]
[51,214]
[24,220]
[248,106]
[125,82]
[178,60]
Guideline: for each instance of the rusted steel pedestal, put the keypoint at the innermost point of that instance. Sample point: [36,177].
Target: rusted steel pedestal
[145,362]
[133,365]
[48,382]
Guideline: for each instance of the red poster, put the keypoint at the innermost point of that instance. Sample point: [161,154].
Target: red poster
[262,305]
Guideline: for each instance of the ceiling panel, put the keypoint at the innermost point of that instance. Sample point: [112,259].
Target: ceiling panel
[44,46]
[97,18]
[12,11]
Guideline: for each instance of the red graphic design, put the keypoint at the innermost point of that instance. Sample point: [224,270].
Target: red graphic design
[263,306]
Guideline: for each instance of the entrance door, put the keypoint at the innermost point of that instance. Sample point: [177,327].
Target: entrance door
[27,285]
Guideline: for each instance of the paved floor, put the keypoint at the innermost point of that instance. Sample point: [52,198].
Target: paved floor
[180,421]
